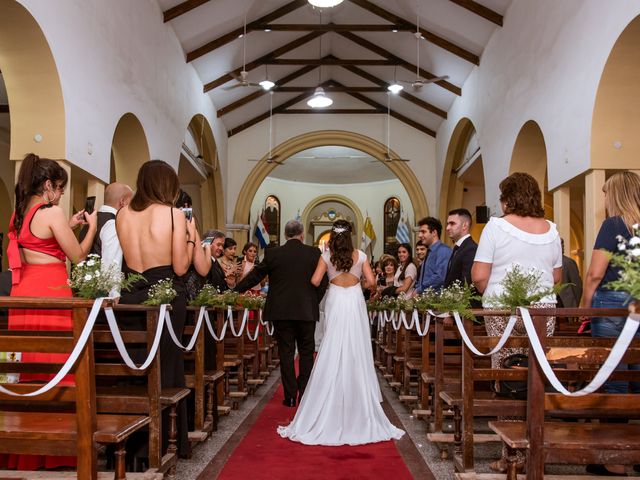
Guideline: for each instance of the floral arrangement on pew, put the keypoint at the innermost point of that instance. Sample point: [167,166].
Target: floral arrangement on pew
[161,293]
[90,279]
[384,304]
[209,296]
[457,297]
[628,260]
[521,289]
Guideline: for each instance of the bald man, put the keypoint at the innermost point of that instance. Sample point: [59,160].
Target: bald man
[106,243]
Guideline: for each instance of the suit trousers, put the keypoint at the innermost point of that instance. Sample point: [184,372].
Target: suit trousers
[290,333]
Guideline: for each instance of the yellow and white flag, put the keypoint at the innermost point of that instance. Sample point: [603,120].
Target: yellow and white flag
[368,235]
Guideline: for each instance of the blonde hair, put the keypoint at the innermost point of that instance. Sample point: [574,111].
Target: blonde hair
[622,197]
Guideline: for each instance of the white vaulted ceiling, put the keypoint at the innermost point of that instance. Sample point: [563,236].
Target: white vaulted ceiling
[466,31]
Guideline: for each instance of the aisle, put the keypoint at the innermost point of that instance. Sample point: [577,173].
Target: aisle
[262,453]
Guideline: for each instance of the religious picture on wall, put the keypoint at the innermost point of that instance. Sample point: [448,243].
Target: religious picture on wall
[391,218]
[272,214]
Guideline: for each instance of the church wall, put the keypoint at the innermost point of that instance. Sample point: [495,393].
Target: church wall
[544,65]
[295,196]
[406,141]
[116,57]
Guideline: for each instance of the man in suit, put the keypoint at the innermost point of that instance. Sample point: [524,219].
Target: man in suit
[464,249]
[292,305]
[216,275]
[569,297]
[434,269]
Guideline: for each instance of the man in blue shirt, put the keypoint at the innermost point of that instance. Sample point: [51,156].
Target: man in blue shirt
[434,269]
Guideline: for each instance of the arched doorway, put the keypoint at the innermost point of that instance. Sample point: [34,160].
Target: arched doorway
[463,178]
[199,173]
[328,138]
[530,153]
[615,143]
[129,150]
[321,212]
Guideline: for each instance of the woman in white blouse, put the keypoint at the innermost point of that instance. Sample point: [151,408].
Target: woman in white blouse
[521,237]
[407,272]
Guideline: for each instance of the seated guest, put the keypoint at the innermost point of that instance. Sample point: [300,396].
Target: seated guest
[386,284]
[434,269]
[406,274]
[464,249]
[159,242]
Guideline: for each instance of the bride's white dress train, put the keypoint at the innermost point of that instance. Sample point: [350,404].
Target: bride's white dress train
[341,404]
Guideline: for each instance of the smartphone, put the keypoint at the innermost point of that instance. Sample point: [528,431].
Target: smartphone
[89,204]
[207,241]
[188,212]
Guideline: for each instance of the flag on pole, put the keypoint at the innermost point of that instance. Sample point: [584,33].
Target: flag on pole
[402,231]
[298,215]
[368,235]
[261,233]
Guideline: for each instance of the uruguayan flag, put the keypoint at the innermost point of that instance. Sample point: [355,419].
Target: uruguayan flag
[402,232]
[261,233]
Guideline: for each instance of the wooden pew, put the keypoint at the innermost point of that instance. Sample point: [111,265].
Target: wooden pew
[117,393]
[203,377]
[548,440]
[235,362]
[63,421]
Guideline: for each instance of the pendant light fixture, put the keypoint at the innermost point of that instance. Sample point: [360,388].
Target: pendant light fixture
[395,87]
[319,98]
[324,3]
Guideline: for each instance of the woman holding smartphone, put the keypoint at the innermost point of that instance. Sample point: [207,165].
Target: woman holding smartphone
[250,255]
[41,239]
[159,242]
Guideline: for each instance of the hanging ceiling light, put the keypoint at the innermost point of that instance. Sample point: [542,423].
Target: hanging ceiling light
[267,84]
[395,88]
[319,99]
[325,3]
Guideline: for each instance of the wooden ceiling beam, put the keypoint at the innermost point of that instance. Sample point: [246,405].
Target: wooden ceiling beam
[429,36]
[263,59]
[407,96]
[259,93]
[231,36]
[265,115]
[181,9]
[481,10]
[340,111]
[332,27]
[329,61]
[401,62]
[393,113]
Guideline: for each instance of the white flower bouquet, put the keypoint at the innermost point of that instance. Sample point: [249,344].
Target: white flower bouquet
[522,288]
[628,260]
[91,279]
[161,293]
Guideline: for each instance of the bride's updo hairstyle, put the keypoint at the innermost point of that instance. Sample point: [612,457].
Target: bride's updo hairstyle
[341,246]
[157,183]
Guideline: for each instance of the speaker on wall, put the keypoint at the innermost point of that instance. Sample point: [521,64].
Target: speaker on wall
[482,214]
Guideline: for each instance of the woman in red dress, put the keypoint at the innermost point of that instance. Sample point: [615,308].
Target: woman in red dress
[40,241]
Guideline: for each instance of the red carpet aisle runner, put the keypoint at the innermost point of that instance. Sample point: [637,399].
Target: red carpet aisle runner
[264,454]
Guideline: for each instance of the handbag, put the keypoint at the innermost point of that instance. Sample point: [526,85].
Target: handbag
[516,389]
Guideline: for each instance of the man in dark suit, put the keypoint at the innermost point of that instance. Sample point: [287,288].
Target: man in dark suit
[464,249]
[216,275]
[292,305]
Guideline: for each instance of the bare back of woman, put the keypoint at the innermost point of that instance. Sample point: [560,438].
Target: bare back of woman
[346,279]
[155,236]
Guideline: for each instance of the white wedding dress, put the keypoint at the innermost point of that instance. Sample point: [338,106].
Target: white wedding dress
[341,403]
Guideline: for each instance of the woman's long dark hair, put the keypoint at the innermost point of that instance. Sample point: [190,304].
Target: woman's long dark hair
[34,172]
[157,183]
[404,265]
[341,246]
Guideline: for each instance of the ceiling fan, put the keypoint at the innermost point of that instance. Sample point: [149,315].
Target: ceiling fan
[420,82]
[387,156]
[242,80]
[270,158]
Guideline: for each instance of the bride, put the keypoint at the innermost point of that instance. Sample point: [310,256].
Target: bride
[341,404]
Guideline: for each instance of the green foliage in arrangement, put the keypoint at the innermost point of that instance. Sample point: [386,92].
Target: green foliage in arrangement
[91,279]
[628,260]
[161,293]
[457,297]
[521,289]
[209,296]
